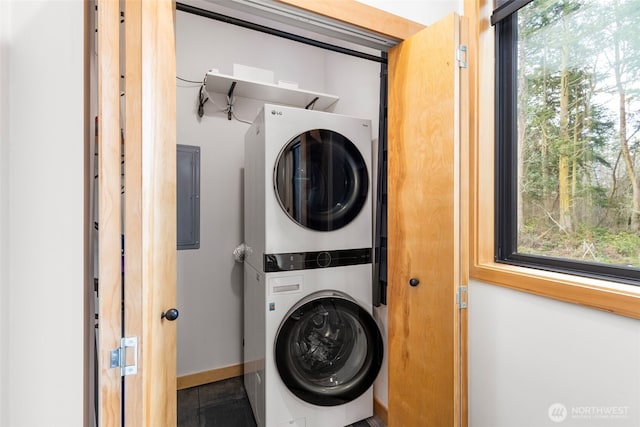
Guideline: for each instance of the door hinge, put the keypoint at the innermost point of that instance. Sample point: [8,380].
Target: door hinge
[461,297]
[461,56]
[119,356]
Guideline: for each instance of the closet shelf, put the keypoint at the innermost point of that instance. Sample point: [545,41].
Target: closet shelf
[222,83]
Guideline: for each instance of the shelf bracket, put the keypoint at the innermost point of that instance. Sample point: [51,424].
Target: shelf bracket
[229,97]
[312,103]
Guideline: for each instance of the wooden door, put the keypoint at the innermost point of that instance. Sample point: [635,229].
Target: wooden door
[427,193]
[132,299]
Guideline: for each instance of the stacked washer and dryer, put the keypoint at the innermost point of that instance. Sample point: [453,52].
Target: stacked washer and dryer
[312,348]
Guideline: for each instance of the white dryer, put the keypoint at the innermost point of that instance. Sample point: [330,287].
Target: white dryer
[312,346]
[307,189]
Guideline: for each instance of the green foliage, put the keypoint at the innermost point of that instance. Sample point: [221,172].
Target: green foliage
[599,244]
[594,48]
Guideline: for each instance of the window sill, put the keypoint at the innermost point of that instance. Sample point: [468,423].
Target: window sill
[599,294]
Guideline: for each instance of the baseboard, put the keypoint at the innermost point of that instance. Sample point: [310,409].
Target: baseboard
[206,377]
[381,411]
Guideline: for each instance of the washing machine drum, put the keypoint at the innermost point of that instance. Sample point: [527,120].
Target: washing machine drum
[321,180]
[328,350]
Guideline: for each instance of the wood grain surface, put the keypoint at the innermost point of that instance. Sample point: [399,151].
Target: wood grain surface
[109,217]
[424,228]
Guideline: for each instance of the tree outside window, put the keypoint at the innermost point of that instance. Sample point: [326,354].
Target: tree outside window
[574,133]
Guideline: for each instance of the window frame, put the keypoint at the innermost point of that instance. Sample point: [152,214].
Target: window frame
[589,291]
[506,228]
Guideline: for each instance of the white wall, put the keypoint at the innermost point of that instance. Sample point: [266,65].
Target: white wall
[423,11]
[527,353]
[5,33]
[41,213]
[210,283]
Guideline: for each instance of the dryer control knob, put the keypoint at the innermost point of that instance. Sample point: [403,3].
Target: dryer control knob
[324,259]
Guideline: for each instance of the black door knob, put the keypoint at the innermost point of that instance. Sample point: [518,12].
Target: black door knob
[414,282]
[171,314]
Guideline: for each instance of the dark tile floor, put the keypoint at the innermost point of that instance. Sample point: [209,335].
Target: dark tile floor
[219,404]
[225,404]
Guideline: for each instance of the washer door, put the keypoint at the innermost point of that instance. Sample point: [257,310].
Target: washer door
[321,180]
[328,349]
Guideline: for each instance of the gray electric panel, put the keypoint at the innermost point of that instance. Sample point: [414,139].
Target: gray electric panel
[188,196]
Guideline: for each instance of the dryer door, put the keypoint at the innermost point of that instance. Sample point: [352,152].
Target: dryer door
[321,180]
[328,350]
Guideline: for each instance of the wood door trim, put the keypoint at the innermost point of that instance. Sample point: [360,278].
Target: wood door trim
[210,376]
[133,203]
[109,223]
[158,212]
[471,12]
[360,15]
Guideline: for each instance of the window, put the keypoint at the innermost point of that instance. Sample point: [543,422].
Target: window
[568,136]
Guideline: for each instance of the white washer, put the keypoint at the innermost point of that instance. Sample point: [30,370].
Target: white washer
[307,188]
[312,348]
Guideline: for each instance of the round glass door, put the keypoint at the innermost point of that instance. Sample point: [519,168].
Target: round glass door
[321,180]
[328,350]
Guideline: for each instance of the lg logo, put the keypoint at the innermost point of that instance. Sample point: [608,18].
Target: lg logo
[557,412]
[276,113]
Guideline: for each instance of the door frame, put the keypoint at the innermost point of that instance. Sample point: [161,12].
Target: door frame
[156,112]
[143,225]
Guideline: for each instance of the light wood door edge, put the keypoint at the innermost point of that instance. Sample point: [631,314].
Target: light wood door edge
[467,123]
[360,15]
[158,204]
[109,260]
[133,201]
[206,377]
